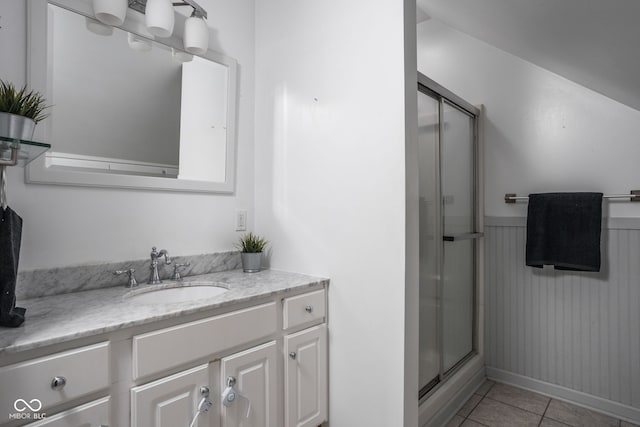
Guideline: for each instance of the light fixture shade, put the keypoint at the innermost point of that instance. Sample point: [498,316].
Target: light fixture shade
[196,35]
[97,27]
[159,17]
[110,12]
[138,43]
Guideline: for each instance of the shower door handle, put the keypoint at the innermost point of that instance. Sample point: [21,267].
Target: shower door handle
[462,236]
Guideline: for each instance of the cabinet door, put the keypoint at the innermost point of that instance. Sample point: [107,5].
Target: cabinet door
[305,393]
[172,401]
[254,371]
[92,414]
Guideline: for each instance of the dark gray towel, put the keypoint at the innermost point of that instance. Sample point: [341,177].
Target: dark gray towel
[563,230]
[10,237]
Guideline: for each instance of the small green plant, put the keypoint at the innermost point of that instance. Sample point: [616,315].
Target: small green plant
[22,102]
[251,243]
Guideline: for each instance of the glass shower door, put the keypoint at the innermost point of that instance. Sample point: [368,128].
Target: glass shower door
[458,212]
[447,161]
[428,131]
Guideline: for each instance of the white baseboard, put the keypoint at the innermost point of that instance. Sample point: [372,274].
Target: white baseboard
[609,407]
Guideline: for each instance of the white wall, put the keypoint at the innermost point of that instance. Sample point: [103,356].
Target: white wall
[330,187]
[70,225]
[543,132]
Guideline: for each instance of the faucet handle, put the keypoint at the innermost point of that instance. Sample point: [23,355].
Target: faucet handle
[176,270]
[132,283]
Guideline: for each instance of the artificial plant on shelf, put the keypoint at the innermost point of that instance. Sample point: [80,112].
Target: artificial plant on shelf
[20,110]
[251,247]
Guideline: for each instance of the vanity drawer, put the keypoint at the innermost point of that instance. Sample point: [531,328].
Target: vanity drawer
[94,413]
[157,351]
[303,309]
[85,370]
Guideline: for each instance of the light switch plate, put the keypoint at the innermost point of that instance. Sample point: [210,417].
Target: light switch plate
[241,220]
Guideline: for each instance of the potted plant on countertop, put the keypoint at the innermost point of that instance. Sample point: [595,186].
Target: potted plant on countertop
[20,111]
[251,247]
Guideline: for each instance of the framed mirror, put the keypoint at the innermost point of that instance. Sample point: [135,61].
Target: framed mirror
[129,111]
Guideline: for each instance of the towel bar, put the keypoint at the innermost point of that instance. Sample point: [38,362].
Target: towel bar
[462,236]
[633,196]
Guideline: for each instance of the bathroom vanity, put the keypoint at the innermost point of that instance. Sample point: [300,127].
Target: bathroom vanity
[109,358]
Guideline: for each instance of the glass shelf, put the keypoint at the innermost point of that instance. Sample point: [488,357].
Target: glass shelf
[27,150]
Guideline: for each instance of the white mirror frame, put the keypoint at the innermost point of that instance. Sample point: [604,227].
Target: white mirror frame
[37,171]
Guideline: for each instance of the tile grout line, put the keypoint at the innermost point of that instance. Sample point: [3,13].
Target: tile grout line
[479,401]
[545,412]
[474,407]
[482,396]
[586,408]
[471,419]
[517,407]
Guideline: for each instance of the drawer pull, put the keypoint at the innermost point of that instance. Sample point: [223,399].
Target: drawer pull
[58,383]
[293,355]
[309,308]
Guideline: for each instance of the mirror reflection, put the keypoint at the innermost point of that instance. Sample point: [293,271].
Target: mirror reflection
[126,105]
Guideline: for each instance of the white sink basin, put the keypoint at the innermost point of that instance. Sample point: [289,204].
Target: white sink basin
[177,293]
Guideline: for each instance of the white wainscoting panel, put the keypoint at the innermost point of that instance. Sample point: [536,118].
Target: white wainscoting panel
[577,330]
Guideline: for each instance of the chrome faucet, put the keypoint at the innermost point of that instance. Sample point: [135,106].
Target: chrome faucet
[154,279]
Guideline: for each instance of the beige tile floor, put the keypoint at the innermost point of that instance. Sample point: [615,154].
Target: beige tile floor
[501,405]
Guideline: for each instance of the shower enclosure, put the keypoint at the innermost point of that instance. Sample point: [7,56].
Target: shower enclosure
[449,237]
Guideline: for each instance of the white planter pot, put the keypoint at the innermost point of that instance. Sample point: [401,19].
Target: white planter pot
[16,127]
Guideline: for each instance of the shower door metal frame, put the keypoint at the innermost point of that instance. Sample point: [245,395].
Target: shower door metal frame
[442,96]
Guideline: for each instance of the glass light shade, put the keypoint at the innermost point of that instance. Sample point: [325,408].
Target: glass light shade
[196,35]
[181,56]
[159,17]
[138,43]
[98,28]
[110,12]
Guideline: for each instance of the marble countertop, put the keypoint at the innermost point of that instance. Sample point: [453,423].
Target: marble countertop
[65,317]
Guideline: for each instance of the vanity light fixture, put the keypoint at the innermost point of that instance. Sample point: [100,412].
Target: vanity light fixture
[110,12]
[196,34]
[159,19]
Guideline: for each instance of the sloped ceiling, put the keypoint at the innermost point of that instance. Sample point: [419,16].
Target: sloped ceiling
[595,43]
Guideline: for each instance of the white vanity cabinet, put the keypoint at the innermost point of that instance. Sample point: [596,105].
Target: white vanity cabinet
[305,352]
[269,361]
[267,357]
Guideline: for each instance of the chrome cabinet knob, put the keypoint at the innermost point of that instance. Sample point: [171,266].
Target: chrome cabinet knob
[204,391]
[58,383]
[309,308]
[293,355]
